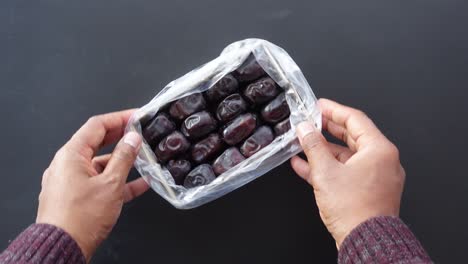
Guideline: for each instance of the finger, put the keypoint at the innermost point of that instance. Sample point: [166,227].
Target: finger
[45,176]
[356,124]
[342,154]
[315,146]
[100,131]
[301,167]
[123,156]
[100,162]
[338,132]
[134,189]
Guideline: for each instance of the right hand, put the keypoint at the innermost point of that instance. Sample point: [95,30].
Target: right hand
[355,183]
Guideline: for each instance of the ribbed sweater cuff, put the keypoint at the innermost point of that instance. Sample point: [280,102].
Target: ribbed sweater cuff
[382,239]
[43,243]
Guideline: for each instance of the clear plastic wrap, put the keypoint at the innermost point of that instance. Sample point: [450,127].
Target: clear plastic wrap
[299,96]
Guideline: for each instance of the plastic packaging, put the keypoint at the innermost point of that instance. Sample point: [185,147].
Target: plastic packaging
[282,69]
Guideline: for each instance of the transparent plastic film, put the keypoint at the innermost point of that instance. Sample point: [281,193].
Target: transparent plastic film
[300,99]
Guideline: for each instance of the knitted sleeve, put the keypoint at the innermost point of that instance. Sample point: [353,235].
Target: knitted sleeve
[382,239]
[42,243]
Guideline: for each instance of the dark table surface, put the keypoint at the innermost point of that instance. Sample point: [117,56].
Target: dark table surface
[403,62]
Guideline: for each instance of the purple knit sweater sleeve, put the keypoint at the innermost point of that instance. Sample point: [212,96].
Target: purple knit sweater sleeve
[42,243]
[383,239]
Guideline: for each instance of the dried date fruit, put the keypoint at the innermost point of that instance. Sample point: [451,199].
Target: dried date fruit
[178,170]
[231,107]
[201,175]
[261,91]
[249,70]
[276,110]
[239,128]
[230,158]
[172,145]
[224,87]
[157,128]
[258,140]
[187,105]
[145,119]
[282,127]
[207,148]
[198,125]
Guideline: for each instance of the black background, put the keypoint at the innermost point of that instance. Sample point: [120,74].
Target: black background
[403,62]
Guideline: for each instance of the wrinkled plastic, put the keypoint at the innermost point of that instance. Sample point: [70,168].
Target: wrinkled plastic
[299,96]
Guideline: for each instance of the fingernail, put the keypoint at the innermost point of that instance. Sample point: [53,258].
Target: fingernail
[133,139]
[305,128]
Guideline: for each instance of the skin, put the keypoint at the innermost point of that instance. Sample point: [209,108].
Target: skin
[83,193]
[351,184]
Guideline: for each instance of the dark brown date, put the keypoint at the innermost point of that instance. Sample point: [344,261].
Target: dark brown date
[198,125]
[201,175]
[186,106]
[157,128]
[261,91]
[231,107]
[207,148]
[172,145]
[249,70]
[224,87]
[178,170]
[276,110]
[239,128]
[282,127]
[230,158]
[258,140]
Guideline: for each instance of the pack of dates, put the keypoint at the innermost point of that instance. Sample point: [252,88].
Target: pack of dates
[201,136]
[223,124]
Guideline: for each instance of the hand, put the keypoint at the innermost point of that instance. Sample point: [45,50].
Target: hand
[351,184]
[84,194]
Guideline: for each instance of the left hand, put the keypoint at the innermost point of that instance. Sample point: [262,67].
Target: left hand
[84,194]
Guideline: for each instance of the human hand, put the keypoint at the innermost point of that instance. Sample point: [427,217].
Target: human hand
[351,184]
[84,194]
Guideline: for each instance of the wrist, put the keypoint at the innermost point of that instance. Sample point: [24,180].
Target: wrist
[87,248]
[353,223]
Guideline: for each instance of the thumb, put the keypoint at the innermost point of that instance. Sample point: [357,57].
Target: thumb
[315,145]
[123,156]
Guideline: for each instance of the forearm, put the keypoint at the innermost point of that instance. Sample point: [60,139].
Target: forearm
[382,240]
[42,243]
